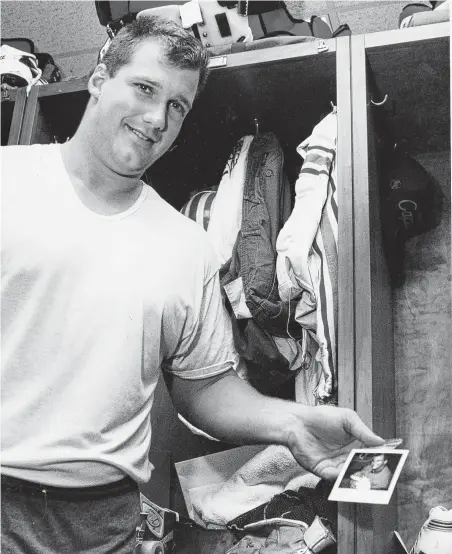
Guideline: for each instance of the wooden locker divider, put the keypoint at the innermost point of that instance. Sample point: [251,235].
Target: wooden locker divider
[28,123]
[374,350]
[345,324]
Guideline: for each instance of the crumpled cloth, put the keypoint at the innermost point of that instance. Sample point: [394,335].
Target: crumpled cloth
[302,505]
[270,472]
[288,539]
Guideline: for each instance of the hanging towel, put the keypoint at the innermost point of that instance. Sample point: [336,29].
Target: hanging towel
[307,250]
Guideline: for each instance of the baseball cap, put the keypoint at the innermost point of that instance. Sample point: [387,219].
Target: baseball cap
[410,205]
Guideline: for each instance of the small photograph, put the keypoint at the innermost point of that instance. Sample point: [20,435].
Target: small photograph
[369,476]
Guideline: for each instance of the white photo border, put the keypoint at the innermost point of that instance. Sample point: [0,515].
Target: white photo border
[368,496]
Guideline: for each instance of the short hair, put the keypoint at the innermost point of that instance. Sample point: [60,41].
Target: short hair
[181,49]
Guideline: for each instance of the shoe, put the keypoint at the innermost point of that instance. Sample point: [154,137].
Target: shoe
[435,536]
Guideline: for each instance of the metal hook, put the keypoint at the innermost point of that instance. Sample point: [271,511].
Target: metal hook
[256,125]
[379,103]
[333,106]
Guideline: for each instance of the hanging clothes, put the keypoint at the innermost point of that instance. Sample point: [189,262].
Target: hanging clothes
[251,271]
[307,251]
[266,206]
[226,213]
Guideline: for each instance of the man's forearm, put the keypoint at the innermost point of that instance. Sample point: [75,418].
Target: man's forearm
[228,408]
[231,410]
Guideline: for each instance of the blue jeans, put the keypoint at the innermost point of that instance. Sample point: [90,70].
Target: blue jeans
[96,520]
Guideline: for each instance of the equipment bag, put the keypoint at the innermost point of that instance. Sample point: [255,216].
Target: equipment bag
[221,25]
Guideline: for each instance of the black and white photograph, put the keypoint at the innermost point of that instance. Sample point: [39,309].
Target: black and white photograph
[225,246]
[369,476]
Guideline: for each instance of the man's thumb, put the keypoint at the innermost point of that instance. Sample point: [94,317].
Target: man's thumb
[359,430]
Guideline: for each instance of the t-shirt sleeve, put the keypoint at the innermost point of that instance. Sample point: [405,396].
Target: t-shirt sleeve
[208,347]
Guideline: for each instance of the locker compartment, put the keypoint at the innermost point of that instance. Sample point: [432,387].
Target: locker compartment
[12,112]
[403,351]
[54,111]
[414,75]
[7,117]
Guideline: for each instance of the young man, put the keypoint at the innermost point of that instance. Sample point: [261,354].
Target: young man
[103,284]
[378,473]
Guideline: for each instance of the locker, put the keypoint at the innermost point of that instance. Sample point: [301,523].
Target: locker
[402,340]
[287,90]
[13,109]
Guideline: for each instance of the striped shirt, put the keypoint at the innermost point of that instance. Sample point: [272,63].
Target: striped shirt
[307,251]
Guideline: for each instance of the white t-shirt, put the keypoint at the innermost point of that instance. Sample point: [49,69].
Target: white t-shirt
[92,307]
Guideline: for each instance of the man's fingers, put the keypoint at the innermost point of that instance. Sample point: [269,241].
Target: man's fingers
[330,469]
[358,429]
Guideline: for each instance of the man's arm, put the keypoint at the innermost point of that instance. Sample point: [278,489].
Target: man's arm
[229,409]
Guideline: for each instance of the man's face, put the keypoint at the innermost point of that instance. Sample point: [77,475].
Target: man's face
[140,111]
[378,461]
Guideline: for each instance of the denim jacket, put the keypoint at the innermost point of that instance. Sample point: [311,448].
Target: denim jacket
[266,207]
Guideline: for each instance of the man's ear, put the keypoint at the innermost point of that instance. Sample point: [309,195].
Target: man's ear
[97,79]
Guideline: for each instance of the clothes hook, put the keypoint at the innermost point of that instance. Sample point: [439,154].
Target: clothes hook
[379,103]
[334,108]
[256,125]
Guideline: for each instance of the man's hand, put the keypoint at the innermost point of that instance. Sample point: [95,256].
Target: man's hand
[324,435]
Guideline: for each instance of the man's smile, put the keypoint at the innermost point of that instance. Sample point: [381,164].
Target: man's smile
[139,134]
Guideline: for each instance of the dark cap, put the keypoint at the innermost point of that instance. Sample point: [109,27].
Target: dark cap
[410,205]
